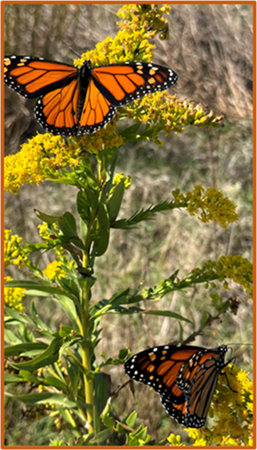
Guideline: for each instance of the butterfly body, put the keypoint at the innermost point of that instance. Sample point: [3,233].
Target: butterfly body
[185,377]
[73,101]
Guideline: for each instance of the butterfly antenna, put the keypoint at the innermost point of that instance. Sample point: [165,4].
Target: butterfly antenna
[240,344]
[224,373]
[74,51]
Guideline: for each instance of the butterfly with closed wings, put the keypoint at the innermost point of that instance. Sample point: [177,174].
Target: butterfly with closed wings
[74,102]
[185,377]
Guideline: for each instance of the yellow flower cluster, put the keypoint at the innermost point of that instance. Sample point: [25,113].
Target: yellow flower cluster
[46,157]
[102,139]
[13,296]
[234,411]
[212,204]
[40,158]
[13,252]
[119,177]
[166,113]
[131,43]
[175,440]
[44,231]
[233,267]
[53,271]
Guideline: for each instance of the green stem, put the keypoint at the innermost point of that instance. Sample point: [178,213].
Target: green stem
[86,358]
[84,324]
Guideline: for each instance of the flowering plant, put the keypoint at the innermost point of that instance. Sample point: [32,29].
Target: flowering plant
[61,368]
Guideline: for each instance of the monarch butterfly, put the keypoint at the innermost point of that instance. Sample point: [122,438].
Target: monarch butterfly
[72,101]
[185,377]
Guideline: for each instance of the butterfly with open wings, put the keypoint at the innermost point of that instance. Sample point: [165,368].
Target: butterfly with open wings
[74,102]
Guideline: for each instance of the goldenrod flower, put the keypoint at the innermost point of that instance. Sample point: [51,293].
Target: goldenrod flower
[44,232]
[233,267]
[47,157]
[13,296]
[119,177]
[132,41]
[232,416]
[210,203]
[53,270]
[40,158]
[175,440]
[166,113]
[13,252]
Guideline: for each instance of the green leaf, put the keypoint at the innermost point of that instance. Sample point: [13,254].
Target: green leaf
[101,312]
[84,229]
[45,217]
[107,419]
[49,356]
[23,318]
[15,350]
[101,437]
[10,337]
[120,298]
[39,246]
[167,314]
[65,330]
[45,397]
[130,133]
[11,378]
[38,287]
[83,207]
[73,370]
[63,180]
[114,202]
[123,354]
[41,325]
[101,231]
[92,197]
[63,296]
[67,225]
[70,285]
[90,375]
[181,331]
[102,388]
[142,215]
[65,413]
[131,419]
[27,376]
[56,382]
[204,320]
[68,307]
[121,429]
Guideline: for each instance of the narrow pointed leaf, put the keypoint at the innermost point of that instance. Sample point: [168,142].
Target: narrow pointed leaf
[49,356]
[15,350]
[45,217]
[67,225]
[167,314]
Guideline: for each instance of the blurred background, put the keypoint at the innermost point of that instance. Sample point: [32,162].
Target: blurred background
[210,48]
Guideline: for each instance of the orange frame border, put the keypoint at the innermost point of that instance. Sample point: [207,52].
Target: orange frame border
[2,3]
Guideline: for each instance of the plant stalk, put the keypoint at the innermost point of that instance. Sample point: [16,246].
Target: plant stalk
[86,358]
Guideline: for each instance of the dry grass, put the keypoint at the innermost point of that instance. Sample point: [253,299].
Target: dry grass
[210,49]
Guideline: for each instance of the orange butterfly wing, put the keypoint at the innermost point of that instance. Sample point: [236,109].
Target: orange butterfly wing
[56,111]
[185,377]
[123,83]
[32,77]
[202,375]
[96,111]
